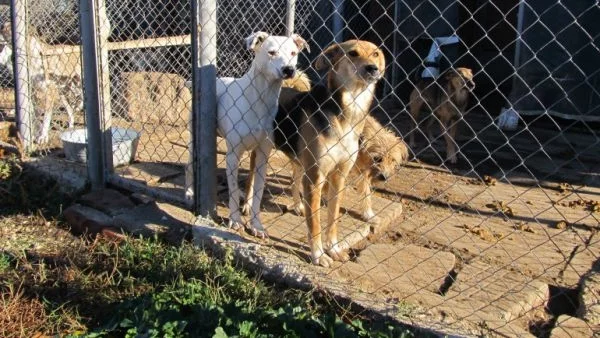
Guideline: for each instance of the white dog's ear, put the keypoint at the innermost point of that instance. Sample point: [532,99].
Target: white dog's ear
[300,42]
[6,31]
[329,57]
[255,40]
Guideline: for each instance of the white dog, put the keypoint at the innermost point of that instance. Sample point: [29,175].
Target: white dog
[246,108]
[49,91]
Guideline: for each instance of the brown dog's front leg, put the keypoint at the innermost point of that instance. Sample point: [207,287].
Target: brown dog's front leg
[312,182]
[337,182]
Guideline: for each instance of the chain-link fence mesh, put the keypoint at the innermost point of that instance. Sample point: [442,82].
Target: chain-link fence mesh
[489,225]
[50,74]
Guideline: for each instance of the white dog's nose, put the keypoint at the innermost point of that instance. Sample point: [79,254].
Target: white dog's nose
[288,72]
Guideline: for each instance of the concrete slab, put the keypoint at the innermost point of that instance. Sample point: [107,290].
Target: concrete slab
[148,172]
[571,327]
[152,219]
[109,201]
[494,295]
[460,213]
[398,270]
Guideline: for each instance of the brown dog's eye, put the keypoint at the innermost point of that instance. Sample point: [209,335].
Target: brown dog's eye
[376,54]
[273,53]
[353,53]
[377,159]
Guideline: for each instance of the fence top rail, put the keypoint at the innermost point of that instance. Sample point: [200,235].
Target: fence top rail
[167,41]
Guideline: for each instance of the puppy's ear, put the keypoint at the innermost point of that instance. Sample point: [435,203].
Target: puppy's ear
[300,42]
[255,40]
[466,73]
[329,57]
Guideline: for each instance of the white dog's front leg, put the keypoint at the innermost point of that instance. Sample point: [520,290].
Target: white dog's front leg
[70,112]
[44,132]
[262,156]
[233,163]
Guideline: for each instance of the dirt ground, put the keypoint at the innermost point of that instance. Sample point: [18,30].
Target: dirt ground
[489,240]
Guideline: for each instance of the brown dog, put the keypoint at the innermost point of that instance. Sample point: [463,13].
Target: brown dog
[320,131]
[446,97]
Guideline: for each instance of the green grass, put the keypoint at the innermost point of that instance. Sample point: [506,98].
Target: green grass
[142,287]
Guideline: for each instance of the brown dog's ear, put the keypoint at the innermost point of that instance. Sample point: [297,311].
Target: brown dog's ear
[300,42]
[329,57]
[255,40]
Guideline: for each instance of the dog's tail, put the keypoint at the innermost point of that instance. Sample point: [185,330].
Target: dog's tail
[299,82]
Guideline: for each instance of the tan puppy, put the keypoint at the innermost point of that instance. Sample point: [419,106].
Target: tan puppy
[446,97]
[380,153]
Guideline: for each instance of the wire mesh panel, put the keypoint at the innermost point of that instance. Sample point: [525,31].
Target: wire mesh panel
[51,69]
[148,66]
[454,144]
[471,200]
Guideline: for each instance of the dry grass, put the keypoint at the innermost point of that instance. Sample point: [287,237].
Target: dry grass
[20,316]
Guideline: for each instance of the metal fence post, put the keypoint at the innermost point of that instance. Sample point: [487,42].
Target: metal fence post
[291,16]
[204,116]
[95,139]
[24,108]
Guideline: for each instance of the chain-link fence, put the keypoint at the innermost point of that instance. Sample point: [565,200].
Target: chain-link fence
[470,187]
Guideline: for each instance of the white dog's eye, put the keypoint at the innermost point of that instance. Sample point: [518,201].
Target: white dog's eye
[294,53]
[273,53]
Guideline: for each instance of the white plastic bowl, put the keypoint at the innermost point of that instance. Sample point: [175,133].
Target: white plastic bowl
[124,145]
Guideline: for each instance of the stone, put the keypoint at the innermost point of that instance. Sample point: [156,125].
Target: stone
[149,220]
[109,201]
[589,297]
[571,327]
[140,198]
[87,221]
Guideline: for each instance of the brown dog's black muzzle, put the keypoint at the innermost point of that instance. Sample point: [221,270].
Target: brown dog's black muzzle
[372,70]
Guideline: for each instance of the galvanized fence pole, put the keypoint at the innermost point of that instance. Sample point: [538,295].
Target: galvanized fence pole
[24,108]
[291,16]
[204,111]
[95,138]
[103,31]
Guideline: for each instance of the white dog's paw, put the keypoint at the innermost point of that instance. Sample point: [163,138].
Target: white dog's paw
[369,216]
[296,208]
[235,222]
[258,230]
[42,139]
